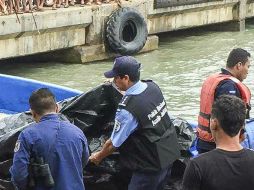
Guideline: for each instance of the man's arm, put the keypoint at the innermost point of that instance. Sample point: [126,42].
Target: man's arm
[107,150]
[125,124]
[192,177]
[21,159]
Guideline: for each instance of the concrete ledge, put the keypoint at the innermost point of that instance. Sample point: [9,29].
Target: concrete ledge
[27,45]
[200,6]
[86,54]
[45,20]
[187,19]
[98,52]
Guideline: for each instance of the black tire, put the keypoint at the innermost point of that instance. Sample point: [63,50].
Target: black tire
[126,31]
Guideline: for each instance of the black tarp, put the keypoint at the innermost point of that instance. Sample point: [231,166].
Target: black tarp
[94,113]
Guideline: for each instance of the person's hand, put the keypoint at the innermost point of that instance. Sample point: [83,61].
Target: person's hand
[94,158]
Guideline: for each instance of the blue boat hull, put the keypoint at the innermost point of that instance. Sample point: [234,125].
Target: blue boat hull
[15,92]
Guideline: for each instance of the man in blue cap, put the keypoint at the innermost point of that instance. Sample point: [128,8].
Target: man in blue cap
[143,132]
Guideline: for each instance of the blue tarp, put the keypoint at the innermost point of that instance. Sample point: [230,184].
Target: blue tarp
[249,134]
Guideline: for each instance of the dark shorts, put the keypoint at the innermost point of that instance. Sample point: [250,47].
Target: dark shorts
[149,181]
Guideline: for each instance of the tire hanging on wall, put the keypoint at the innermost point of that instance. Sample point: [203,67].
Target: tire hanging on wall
[126,31]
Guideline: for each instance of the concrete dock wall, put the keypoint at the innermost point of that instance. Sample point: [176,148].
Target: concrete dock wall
[49,30]
[80,31]
[175,18]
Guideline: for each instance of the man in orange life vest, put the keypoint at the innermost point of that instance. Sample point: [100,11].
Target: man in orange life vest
[229,81]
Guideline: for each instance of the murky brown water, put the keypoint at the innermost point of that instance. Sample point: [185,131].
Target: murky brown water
[180,65]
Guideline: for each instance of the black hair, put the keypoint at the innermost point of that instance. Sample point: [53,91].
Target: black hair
[230,111]
[134,76]
[237,55]
[42,101]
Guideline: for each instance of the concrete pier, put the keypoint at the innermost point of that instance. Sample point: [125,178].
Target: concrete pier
[77,34]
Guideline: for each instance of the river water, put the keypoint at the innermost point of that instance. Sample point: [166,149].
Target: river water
[179,66]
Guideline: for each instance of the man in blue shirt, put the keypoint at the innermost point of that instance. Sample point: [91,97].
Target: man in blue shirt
[143,132]
[60,145]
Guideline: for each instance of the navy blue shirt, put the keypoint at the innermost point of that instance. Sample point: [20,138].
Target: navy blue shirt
[62,145]
[227,87]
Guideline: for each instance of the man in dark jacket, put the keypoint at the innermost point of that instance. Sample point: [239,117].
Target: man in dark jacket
[143,132]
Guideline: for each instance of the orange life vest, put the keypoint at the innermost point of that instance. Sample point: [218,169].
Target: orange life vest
[207,99]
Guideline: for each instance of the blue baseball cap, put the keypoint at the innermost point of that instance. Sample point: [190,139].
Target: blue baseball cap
[124,65]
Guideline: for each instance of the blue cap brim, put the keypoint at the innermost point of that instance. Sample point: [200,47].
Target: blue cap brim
[110,74]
